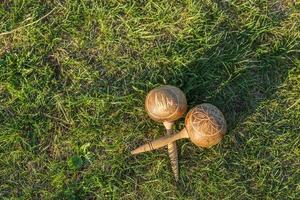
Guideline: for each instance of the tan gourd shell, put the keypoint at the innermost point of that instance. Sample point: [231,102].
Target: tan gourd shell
[166,103]
[205,125]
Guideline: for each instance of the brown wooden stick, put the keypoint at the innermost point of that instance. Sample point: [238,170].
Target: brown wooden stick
[173,155]
[156,144]
[172,150]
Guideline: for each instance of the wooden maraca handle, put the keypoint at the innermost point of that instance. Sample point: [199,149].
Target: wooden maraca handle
[173,155]
[156,144]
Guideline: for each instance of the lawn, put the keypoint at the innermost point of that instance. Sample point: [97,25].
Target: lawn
[74,76]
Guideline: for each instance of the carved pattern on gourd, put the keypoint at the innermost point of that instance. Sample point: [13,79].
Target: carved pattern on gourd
[207,120]
[162,103]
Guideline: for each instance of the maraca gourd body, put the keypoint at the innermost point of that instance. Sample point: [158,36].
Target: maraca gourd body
[166,104]
[205,125]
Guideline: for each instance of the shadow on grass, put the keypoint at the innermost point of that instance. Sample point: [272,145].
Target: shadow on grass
[236,75]
[235,86]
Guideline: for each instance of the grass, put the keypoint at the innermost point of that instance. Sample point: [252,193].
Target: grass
[73,84]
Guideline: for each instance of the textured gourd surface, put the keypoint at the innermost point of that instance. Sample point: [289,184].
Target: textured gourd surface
[73,88]
[166,103]
[206,125]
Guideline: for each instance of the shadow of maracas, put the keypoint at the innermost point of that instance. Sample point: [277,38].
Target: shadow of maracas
[205,125]
[166,104]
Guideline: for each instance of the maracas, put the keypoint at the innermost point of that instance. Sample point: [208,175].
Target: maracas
[167,104]
[205,125]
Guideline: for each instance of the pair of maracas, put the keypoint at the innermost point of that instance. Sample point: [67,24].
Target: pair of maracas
[205,124]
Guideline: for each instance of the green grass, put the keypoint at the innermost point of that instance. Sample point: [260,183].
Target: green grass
[73,84]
